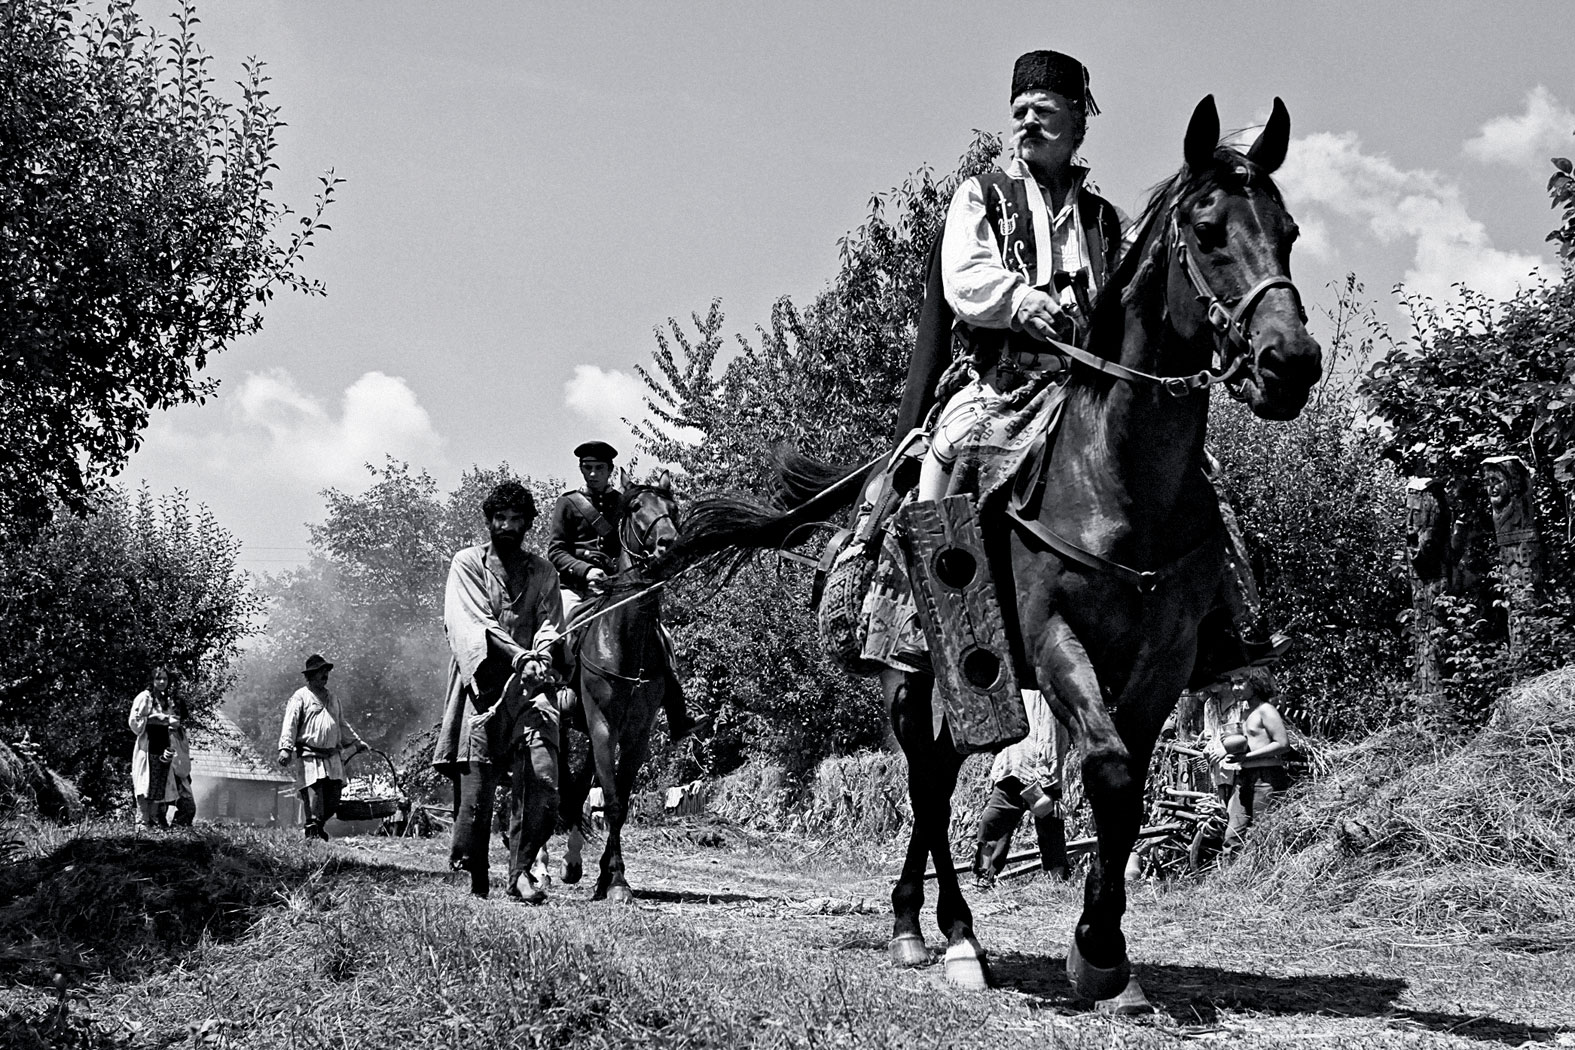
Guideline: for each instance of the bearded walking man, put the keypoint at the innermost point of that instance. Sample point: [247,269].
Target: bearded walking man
[501,613]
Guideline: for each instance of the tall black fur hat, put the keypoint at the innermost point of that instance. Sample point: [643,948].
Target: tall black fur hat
[1053,71]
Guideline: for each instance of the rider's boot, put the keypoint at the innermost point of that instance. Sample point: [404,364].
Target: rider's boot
[679,722]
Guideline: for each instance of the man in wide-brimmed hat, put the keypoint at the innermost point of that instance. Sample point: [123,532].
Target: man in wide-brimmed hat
[315,730]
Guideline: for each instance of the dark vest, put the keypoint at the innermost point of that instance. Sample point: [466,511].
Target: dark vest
[1011,220]
[1007,209]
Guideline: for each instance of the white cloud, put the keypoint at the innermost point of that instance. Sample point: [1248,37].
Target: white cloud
[273,431]
[289,431]
[260,454]
[606,397]
[1357,194]
[1527,140]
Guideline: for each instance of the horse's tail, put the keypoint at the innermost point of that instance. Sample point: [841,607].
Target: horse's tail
[722,532]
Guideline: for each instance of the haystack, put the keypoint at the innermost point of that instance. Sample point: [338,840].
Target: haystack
[1475,834]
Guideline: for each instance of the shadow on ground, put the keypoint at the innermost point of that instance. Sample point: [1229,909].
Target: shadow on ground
[130,904]
[695,897]
[1193,995]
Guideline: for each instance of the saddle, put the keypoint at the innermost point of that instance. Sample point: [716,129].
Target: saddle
[902,560]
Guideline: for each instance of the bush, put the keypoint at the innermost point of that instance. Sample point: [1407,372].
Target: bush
[92,604]
[1323,514]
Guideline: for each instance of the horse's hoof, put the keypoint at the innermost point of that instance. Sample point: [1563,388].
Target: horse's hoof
[1093,982]
[907,949]
[619,895]
[524,889]
[965,966]
[573,872]
[1129,1003]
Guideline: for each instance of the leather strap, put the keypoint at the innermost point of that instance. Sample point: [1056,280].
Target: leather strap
[1146,581]
[590,514]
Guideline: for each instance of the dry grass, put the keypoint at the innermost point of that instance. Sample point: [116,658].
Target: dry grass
[864,796]
[367,943]
[1476,834]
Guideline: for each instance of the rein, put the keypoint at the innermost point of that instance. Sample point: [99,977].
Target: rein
[1228,318]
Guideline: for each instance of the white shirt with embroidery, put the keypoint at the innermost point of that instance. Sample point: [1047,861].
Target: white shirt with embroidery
[981,287]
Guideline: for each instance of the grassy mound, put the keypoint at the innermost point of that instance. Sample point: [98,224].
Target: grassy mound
[862,796]
[1475,834]
[115,901]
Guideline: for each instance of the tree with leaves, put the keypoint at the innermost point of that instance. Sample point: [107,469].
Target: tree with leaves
[1478,379]
[139,234]
[90,605]
[826,379]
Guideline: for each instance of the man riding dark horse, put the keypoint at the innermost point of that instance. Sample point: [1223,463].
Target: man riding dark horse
[1023,255]
[1109,543]
[584,548]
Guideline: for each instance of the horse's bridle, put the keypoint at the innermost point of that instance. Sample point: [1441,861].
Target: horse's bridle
[1228,317]
[634,544]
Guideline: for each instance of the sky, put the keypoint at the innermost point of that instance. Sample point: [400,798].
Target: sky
[531,190]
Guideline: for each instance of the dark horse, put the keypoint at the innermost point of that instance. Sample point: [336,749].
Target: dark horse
[1103,592]
[619,671]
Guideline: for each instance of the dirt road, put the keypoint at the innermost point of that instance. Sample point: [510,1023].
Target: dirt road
[735,939]
[1215,970]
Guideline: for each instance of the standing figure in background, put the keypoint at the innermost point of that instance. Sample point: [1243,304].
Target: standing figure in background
[154,719]
[501,612]
[1259,768]
[1026,777]
[180,759]
[1245,745]
[315,729]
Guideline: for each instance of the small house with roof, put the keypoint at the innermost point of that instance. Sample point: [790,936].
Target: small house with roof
[233,783]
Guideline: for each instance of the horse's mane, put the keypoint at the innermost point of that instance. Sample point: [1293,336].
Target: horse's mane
[1231,170]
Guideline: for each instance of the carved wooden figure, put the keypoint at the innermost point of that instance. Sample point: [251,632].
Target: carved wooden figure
[1429,534]
[1508,484]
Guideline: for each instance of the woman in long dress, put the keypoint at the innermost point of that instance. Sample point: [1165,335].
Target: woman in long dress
[159,734]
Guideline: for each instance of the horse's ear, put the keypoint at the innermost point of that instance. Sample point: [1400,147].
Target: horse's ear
[1268,152]
[663,481]
[624,480]
[1203,135]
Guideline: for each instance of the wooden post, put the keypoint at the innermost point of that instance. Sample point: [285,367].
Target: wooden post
[1508,483]
[1429,528]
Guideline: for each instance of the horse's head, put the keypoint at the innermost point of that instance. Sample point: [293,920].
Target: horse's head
[1229,243]
[648,518]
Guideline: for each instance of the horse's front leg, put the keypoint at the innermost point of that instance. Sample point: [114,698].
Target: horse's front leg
[1097,961]
[932,776]
[633,744]
[595,696]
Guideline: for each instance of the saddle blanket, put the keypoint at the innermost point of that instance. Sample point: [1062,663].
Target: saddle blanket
[989,437]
